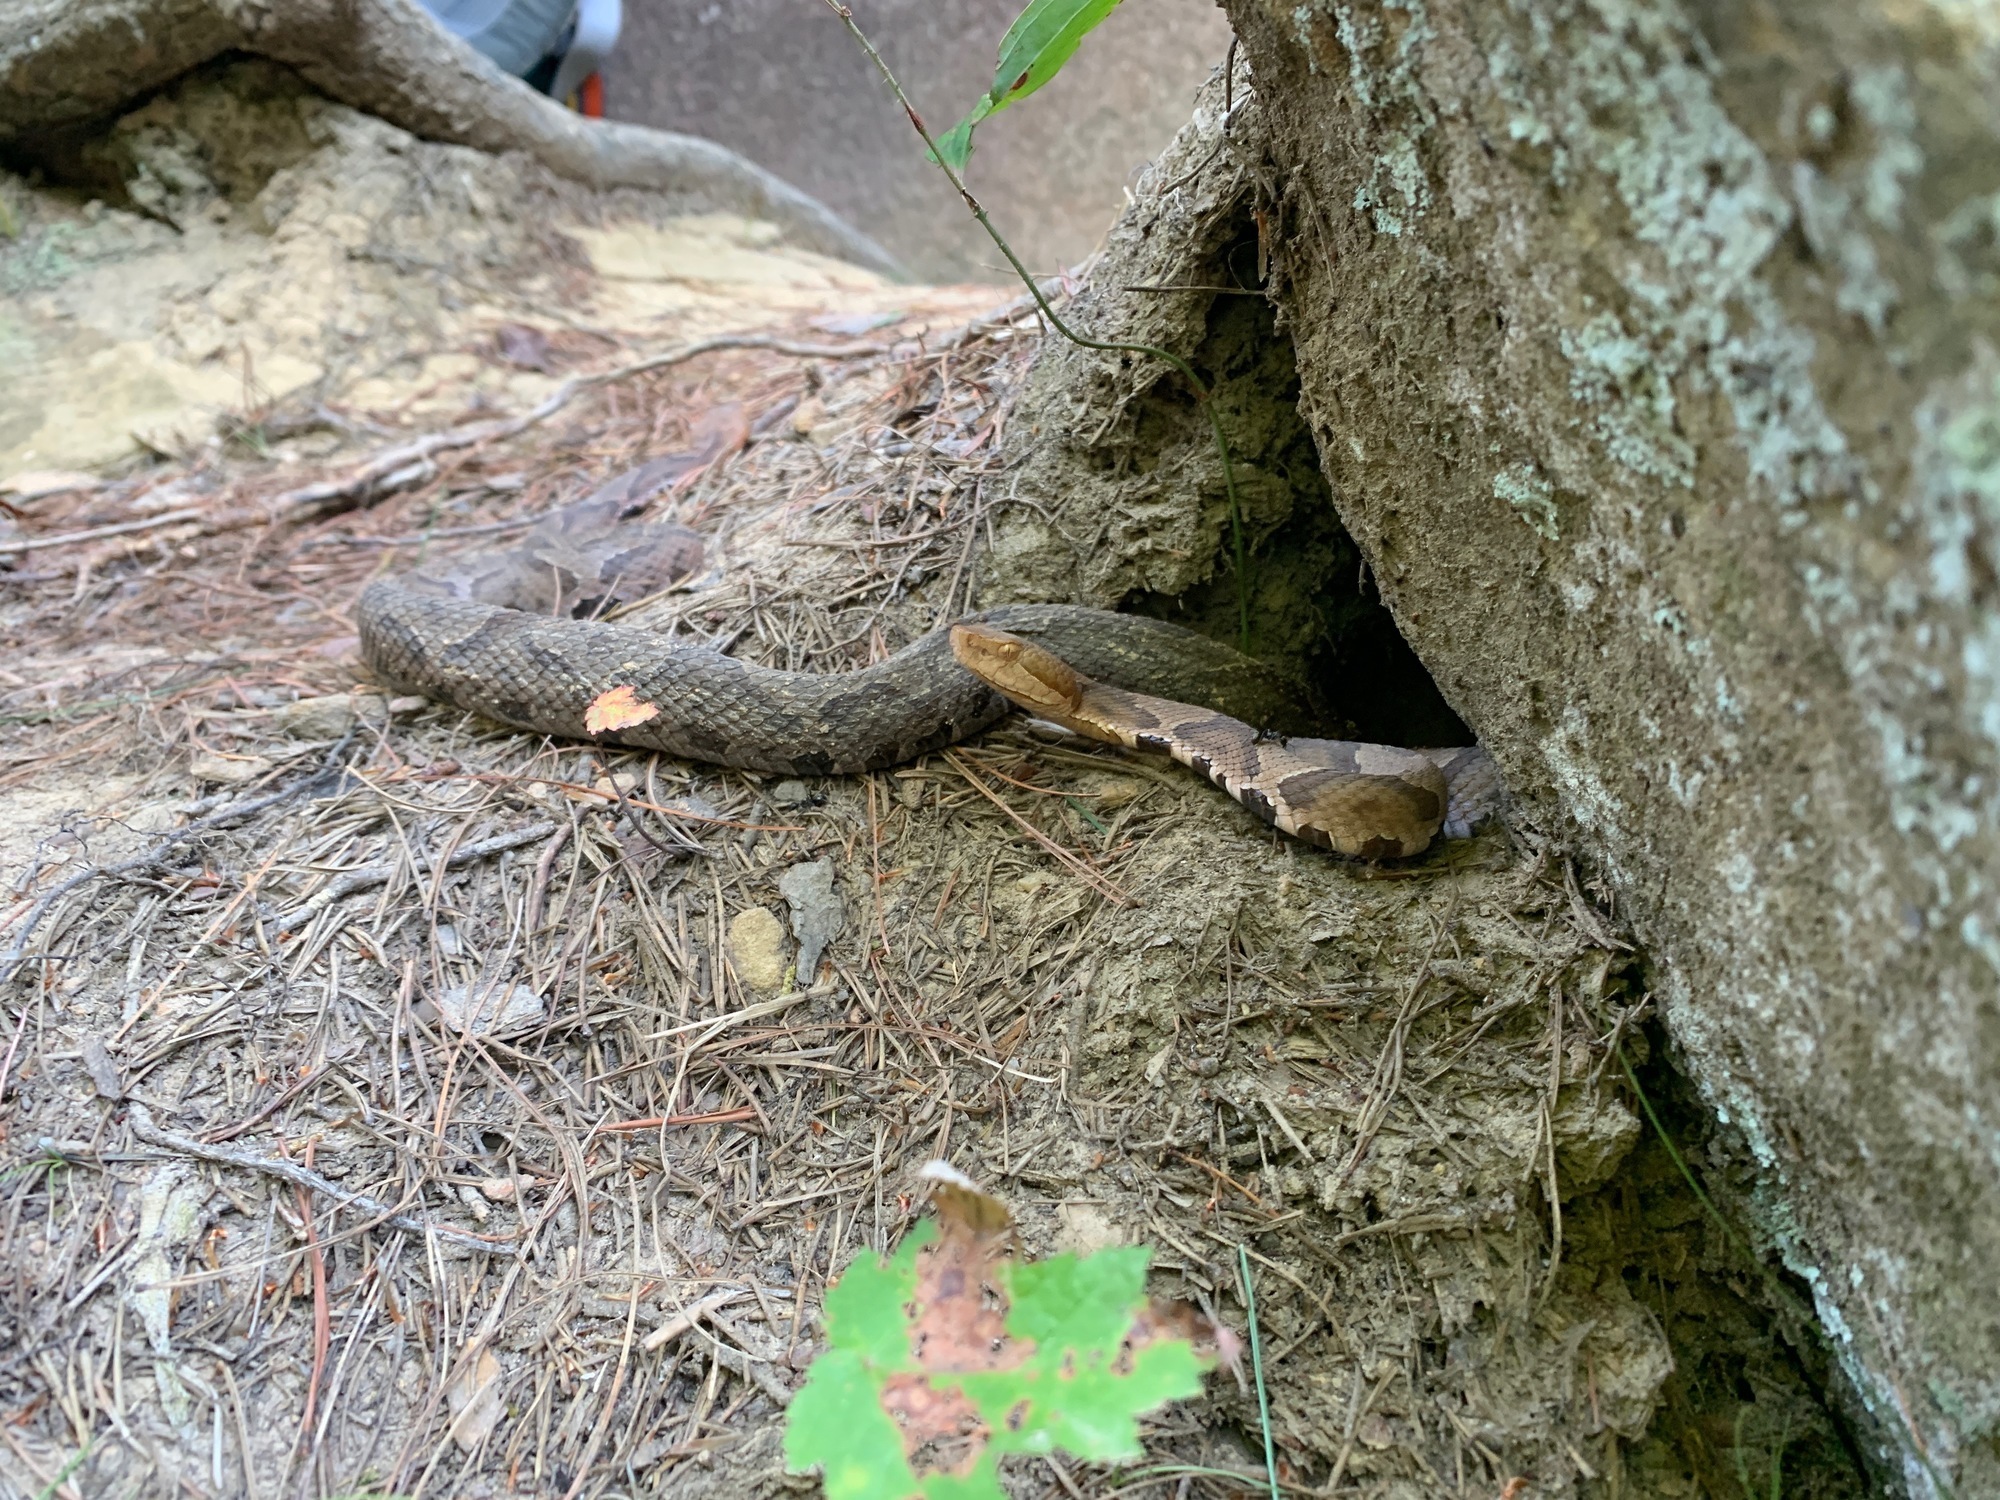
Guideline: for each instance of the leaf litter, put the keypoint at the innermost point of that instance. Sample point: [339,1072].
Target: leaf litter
[590,1255]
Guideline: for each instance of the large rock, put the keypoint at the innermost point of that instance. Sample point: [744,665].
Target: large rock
[1650,358]
[66,65]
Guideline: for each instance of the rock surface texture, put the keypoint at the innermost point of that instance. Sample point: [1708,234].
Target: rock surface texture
[67,64]
[1649,353]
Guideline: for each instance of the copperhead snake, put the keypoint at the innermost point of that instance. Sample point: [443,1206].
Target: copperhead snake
[480,636]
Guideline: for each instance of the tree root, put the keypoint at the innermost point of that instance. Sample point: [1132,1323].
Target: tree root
[65,63]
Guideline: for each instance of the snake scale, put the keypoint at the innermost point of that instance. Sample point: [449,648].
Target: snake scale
[481,637]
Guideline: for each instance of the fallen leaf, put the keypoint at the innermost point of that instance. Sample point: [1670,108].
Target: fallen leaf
[818,914]
[475,1403]
[102,1068]
[491,1009]
[617,708]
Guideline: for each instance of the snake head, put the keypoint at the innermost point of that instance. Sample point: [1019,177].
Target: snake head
[1037,680]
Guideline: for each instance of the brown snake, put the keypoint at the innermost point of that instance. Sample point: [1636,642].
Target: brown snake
[1122,679]
[1374,801]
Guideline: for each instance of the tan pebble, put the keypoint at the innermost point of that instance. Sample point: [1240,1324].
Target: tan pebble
[807,415]
[1086,1228]
[757,949]
[228,769]
[1118,793]
[499,1189]
[326,718]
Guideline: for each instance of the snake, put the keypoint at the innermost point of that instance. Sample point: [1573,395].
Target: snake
[481,636]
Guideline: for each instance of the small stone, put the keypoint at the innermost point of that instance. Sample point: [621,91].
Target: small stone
[490,1009]
[499,1189]
[790,793]
[230,770]
[1120,792]
[1086,1228]
[409,703]
[757,949]
[326,718]
[807,415]
[818,914]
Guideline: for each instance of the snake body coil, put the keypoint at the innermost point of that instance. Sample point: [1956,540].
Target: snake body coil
[543,673]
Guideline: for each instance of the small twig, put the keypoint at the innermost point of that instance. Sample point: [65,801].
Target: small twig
[97,533]
[62,1474]
[1101,883]
[361,880]
[421,538]
[576,792]
[322,1324]
[384,1214]
[284,1097]
[12,960]
[715,1025]
[687,1317]
[410,463]
[659,1122]
[7,1062]
[746,1367]
[610,1401]
[1357,1408]
[1221,1176]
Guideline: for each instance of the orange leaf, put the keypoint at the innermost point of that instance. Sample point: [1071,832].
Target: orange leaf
[617,708]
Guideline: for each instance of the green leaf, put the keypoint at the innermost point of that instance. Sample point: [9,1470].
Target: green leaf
[837,1419]
[955,145]
[864,1309]
[1085,1303]
[1036,46]
[1083,1356]
[837,1422]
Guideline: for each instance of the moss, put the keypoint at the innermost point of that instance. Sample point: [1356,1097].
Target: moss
[1525,488]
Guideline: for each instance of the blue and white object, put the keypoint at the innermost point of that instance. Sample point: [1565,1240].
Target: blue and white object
[553,44]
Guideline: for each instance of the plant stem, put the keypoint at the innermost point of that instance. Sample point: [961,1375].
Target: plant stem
[1238,545]
[1257,1369]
